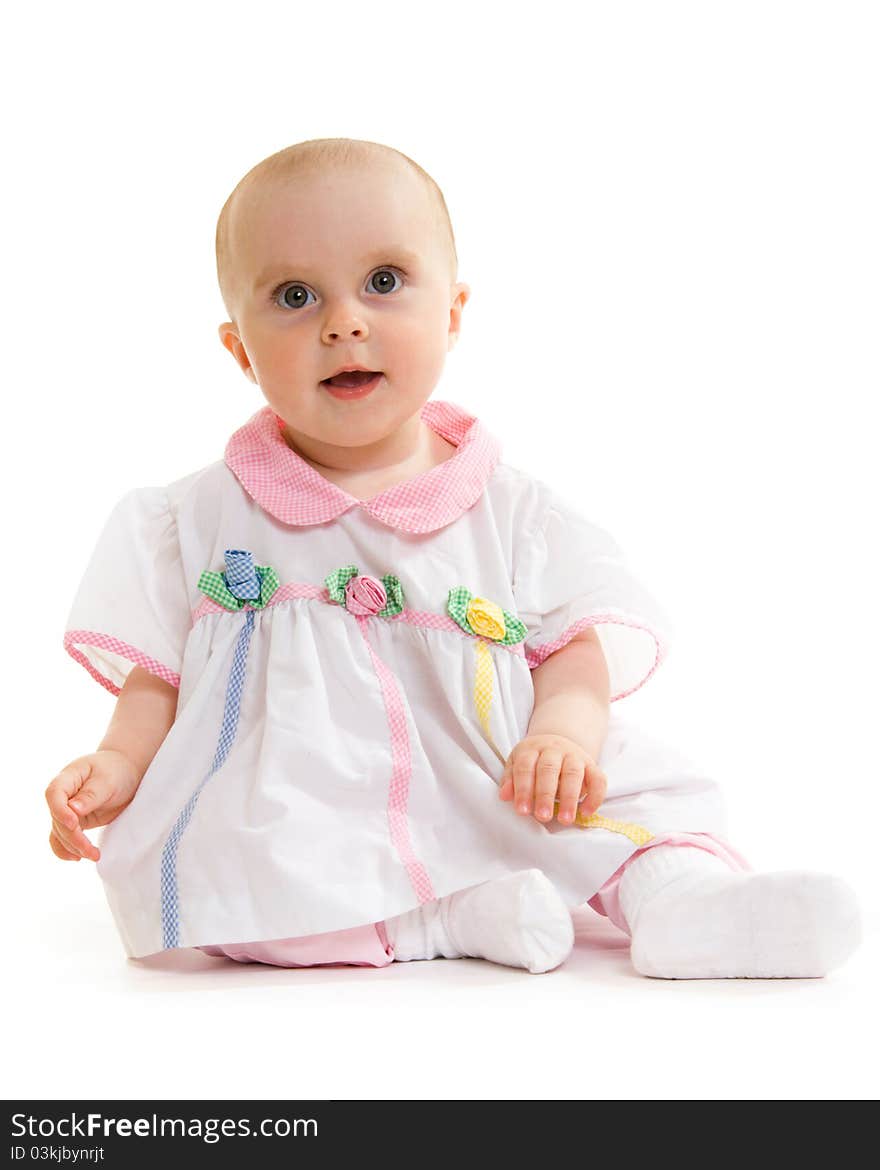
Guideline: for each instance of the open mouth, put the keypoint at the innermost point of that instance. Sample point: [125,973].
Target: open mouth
[352,379]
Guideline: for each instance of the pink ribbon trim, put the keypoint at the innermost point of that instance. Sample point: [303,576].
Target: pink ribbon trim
[411,617]
[401,771]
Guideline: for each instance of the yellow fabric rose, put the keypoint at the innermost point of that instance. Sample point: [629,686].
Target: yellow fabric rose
[486,618]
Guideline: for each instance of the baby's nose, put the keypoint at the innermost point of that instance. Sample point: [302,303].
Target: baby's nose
[345,325]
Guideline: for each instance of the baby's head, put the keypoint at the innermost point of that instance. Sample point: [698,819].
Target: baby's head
[335,253]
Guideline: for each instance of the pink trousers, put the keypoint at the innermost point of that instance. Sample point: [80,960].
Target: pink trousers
[368,946]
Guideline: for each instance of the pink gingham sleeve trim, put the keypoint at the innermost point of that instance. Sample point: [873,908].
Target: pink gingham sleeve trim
[292,491]
[535,655]
[75,638]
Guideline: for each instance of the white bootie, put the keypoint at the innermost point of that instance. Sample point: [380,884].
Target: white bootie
[518,921]
[692,917]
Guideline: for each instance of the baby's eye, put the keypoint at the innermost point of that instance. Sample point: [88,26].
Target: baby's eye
[382,276]
[294,296]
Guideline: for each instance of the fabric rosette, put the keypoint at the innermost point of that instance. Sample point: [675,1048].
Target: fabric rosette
[363,595]
[484,618]
[242,582]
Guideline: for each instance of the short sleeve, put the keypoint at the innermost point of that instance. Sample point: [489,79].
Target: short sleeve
[131,608]
[572,574]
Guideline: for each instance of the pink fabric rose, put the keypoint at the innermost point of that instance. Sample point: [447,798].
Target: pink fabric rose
[365,596]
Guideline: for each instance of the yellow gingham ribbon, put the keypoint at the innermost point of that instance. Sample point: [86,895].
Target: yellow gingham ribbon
[483,691]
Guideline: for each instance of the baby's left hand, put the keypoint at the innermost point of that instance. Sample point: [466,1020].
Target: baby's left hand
[549,768]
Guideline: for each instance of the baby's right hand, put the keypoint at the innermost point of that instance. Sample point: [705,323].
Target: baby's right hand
[89,792]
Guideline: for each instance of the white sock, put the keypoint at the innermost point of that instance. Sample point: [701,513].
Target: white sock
[692,917]
[518,921]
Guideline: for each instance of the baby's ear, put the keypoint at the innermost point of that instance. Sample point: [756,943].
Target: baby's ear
[462,296]
[231,341]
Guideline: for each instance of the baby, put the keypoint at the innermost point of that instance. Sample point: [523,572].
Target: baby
[365,669]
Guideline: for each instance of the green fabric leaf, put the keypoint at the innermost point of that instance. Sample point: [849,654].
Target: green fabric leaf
[337,581]
[269,582]
[457,606]
[394,592]
[516,630]
[213,585]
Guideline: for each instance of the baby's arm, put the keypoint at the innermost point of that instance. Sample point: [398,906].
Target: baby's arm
[557,757]
[94,789]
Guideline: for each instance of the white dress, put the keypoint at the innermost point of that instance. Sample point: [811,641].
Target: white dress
[351,676]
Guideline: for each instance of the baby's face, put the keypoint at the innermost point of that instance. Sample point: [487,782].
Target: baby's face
[343,268]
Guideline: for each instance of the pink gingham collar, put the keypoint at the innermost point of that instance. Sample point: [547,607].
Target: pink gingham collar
[290,489]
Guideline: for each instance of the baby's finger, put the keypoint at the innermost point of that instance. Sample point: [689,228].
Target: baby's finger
[595,786]
[571,780]
[91,852]
[74,840]
[547,782]
[66,784]
[71,835]
[524,779]
[505,784]
[84,846]
[90,797]
[60,850]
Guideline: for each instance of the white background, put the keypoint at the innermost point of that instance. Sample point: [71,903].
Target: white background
[667,214]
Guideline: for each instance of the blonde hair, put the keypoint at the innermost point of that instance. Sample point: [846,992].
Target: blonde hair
[309,157]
